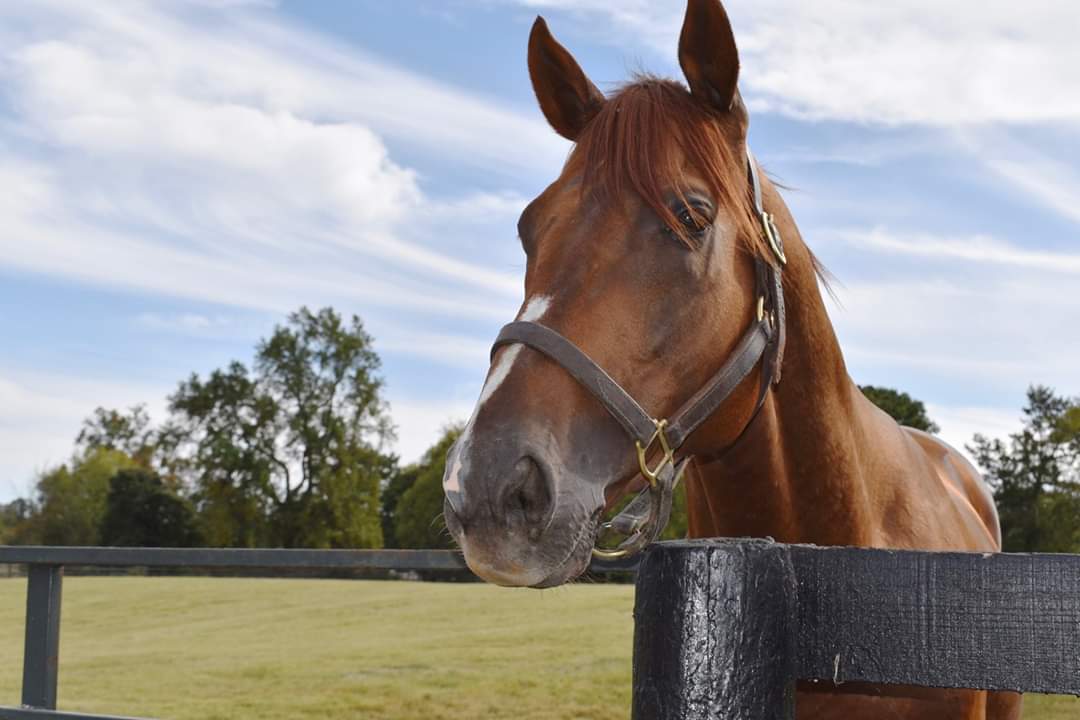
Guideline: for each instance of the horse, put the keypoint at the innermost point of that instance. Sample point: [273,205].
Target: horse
[652,263]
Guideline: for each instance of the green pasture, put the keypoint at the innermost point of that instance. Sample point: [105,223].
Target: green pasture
[252,648]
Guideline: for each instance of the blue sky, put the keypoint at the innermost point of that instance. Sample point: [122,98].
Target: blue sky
[176,177]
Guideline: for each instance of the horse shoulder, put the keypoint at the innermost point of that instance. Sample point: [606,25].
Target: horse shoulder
[925,494]
[966,486]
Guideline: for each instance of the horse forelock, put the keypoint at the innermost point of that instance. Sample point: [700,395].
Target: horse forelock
[649,134]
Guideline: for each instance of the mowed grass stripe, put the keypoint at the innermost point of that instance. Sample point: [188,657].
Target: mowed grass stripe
[256,648]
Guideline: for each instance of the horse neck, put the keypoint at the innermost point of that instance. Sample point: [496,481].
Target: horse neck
[793,474]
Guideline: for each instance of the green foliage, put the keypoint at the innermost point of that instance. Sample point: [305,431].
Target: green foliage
[401,480]
[1034,475]
[418,514]
[678,526]
[345,511]
[140,511]
[70,500]
[289,453]
[229,430]
[130,433]
[15,521]
[902,407]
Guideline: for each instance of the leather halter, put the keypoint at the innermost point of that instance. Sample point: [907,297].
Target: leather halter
[762,342]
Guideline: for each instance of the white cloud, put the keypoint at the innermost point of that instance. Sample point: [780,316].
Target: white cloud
[212,152]
[187,323]
[1047,176]
[443,348]
[917,61]
[969,312]
[420,423]
[40,416]
[959,424]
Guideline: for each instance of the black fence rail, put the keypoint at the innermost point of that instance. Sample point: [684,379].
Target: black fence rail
[45,573]
[724,629]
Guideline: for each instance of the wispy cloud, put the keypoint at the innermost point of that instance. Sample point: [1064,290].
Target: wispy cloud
[40,416]
[960,329]
[441,348]
[185,323]
[1045,172]
[919,61]
[421,422]
[976,249]
[212,152]
[959,424]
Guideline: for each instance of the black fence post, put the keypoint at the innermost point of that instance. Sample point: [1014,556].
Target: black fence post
[714,632]
[41,656]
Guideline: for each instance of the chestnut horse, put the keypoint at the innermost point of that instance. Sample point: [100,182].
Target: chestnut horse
[645,254]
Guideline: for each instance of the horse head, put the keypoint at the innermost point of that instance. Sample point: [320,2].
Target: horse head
[646,254]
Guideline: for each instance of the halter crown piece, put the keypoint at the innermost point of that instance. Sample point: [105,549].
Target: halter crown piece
[645,517]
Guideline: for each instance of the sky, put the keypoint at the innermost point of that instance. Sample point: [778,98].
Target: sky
[176,177]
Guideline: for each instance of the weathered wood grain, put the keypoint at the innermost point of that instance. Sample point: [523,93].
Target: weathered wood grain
[725,627]
[965,620]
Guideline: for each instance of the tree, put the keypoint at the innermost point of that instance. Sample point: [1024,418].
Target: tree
[395,486]
[15,522]
[130,433]
[289,453]
[903,408]
[1034,475]
[230,431]
[418,514]
[141,511]
[70,501]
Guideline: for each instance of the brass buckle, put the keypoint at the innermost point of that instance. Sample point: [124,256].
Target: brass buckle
[773,236]
[643,451]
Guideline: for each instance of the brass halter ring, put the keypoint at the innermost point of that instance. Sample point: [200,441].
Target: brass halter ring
[772,235]
[668,457]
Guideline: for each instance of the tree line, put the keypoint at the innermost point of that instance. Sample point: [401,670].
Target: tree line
[291,451]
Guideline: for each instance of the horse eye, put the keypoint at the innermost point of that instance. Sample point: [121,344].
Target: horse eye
[693,219]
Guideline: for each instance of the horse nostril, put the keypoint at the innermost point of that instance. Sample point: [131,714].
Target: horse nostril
[529,494]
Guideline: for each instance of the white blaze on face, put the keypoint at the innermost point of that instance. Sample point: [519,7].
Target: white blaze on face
[534,310]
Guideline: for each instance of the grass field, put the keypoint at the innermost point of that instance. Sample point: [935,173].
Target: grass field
[268,649]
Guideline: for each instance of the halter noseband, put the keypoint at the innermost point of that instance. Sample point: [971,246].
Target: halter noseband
[762,342]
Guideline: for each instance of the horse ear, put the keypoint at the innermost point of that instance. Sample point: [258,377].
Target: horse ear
[708,55]
[568,99]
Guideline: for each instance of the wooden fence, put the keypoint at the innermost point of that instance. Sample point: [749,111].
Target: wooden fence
[45,575]
[723,629]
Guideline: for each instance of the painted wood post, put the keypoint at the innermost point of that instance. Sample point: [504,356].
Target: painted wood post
[714,632]
[41,654]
